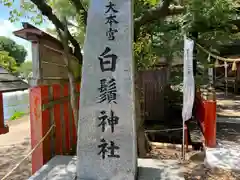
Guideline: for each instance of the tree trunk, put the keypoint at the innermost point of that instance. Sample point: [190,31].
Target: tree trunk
[169,67]
[73,99]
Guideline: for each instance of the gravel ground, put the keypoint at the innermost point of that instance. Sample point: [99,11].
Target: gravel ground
[10,156]
[195,170]
[194,166]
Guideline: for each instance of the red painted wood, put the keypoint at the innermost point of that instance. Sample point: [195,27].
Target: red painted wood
[40,123]
[3,128]
[56,96]
[39,126]
[66,118]
[210,123]
[46,124]
[74,130]
[36,127]
[78,103]
[1,111]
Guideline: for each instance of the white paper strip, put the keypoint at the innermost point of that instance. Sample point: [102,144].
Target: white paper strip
[210,71]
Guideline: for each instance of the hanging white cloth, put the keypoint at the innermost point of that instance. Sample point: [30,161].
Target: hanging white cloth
[188,80]
[210,70]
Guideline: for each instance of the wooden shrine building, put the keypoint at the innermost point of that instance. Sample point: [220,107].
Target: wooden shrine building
[8,83]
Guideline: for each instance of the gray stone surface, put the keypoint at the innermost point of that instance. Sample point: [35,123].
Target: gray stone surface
[64,168]
[58,168]
[225,156]
[227,119]
[153,169]
[90,164]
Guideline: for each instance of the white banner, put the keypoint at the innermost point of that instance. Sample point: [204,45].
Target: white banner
[210,71]
[188,80]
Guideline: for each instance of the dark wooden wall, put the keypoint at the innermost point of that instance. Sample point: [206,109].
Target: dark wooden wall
[151,84]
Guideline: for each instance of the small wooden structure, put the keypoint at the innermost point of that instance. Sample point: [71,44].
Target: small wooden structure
[49,97]
[8,83]
[48,63]
[151,85]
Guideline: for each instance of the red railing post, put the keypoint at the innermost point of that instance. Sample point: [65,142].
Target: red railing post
[3,128]
[40,124]
[210,123]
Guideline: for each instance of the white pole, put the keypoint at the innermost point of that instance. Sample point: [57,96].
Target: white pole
[226,75]
[210,71]
[183,141]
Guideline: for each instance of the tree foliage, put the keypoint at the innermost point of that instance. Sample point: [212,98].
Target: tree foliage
[8,62]
[25,69]
[159,24]
[18,52]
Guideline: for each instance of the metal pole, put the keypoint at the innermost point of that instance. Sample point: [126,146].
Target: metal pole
[183,142]
[210,71]
[226,76]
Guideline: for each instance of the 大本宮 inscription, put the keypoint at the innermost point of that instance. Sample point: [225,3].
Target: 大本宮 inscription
[111,19]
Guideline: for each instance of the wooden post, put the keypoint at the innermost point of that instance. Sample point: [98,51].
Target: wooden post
[210,119]
[57,120]
[3,128]
[40,124]
[67,120]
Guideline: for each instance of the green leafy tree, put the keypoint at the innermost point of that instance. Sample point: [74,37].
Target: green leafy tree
[8,62]
[18,52]
[159,25]
[25,69]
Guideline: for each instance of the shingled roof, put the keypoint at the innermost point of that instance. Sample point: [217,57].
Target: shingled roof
[31,33]
[10,83]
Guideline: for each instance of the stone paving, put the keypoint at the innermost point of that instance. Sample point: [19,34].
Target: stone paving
[226,156]
[64,168]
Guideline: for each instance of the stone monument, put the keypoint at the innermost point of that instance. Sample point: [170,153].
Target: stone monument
[106,132]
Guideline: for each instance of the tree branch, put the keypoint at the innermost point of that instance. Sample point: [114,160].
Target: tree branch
[160,11]
[47,11]
[64,39]
[236,23]
[81,10]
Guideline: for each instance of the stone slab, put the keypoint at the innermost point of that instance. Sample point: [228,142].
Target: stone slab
[64,168]
[228,119]
[153,169]
[58,168]
[225,156]
[106,146]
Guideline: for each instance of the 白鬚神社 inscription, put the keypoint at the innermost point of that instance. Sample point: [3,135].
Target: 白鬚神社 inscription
[106,132]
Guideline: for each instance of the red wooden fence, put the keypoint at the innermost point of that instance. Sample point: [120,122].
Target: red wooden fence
[3,127]
[51,105]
